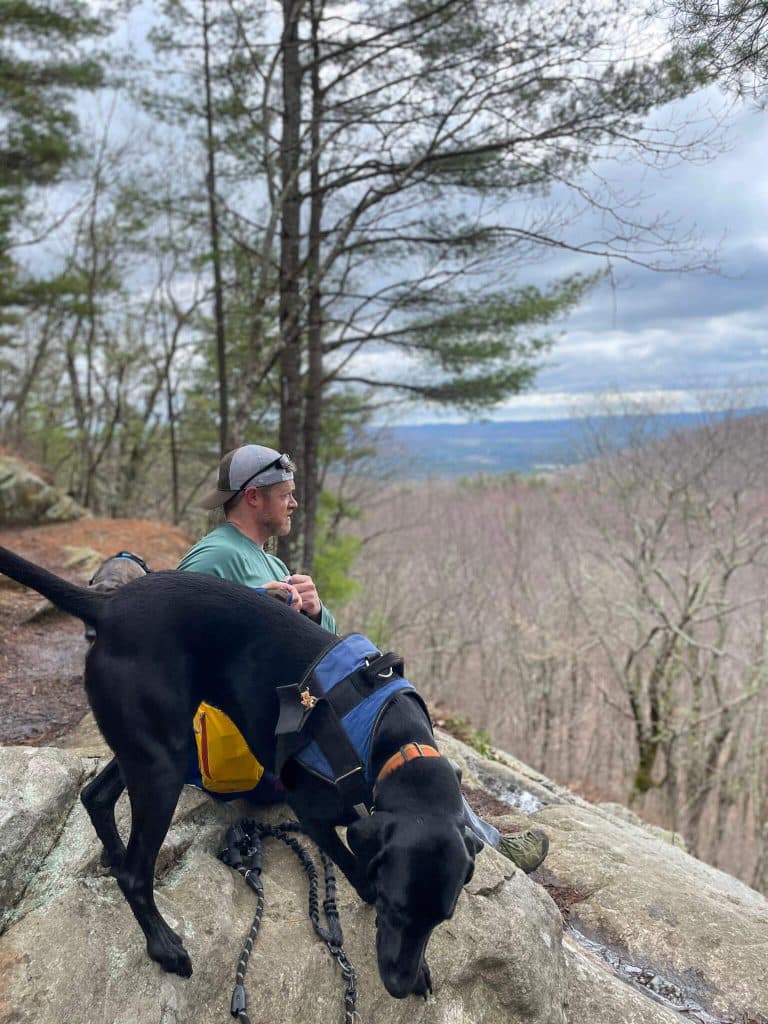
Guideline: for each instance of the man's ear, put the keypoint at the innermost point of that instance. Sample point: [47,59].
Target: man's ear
[254,496]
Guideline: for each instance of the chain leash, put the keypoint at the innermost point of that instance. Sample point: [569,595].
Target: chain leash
[243,853]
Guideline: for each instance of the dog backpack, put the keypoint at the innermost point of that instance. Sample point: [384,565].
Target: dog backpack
[226,762]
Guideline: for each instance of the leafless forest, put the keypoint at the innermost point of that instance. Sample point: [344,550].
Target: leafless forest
[607,625]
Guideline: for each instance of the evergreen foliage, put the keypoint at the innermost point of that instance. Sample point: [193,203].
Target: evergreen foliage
[724,41]
[40,69]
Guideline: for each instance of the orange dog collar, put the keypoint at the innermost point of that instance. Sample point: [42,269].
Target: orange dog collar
[408,752]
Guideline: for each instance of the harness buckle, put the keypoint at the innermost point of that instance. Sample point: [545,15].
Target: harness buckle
[387,674]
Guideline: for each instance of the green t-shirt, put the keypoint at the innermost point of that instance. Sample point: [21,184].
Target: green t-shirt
[228,553]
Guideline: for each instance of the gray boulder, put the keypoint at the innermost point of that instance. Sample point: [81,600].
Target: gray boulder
[691,937]
[71,949]
[26,499]
[643,933]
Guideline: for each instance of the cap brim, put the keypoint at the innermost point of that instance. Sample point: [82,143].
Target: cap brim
[216,498]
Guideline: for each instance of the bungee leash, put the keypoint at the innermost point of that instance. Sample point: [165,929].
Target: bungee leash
[243,853]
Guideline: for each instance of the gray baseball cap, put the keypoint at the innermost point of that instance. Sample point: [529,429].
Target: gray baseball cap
[251,465]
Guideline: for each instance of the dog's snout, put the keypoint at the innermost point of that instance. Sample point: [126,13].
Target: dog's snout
[400,954]
[399,985]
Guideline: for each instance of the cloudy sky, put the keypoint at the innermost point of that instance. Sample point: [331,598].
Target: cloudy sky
[670,337]
[673,339]
[677,336]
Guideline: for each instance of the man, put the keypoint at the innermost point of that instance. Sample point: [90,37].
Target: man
[256,490]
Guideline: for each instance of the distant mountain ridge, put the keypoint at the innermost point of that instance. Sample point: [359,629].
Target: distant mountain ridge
[527,446]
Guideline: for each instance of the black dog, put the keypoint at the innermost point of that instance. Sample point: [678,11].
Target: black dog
[169,640]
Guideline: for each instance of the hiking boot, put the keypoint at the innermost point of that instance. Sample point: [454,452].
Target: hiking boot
[525,849]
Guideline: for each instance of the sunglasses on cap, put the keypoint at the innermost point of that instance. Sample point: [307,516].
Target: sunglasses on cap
[284,462]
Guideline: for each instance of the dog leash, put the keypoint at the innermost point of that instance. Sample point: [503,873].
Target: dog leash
[243,853]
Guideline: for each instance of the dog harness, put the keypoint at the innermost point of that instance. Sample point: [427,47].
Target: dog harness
[328,720]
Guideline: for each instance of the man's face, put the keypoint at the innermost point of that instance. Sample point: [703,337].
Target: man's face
[277,507]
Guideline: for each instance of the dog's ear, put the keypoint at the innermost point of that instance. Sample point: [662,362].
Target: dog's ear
[367,838]
[364,837]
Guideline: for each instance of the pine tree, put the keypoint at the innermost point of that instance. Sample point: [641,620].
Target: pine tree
[41,68]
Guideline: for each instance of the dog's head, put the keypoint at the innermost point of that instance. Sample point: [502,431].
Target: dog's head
[417,866]
[112,574]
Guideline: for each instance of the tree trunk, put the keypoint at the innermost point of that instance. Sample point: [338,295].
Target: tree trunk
[290,299]
[314,385]
[213,227]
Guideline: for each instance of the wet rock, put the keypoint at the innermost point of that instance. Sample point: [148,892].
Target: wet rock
[657,909]
[596,996]
[663,909]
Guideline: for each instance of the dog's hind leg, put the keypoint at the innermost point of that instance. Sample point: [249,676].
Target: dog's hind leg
[153,786]
[99,798]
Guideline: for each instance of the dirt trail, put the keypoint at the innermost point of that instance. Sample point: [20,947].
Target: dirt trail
[41,661]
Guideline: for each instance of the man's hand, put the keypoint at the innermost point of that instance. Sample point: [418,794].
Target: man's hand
[285,591]
[310,602]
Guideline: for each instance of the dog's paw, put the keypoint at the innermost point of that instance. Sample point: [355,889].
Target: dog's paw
[423,986]
[168,950]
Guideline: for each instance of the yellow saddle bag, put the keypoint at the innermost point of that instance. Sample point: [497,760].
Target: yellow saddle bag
[226,762]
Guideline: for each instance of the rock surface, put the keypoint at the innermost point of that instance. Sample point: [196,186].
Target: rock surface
[26,499]
[646,934]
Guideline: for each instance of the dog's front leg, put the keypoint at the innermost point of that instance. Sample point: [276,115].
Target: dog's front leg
[327,839]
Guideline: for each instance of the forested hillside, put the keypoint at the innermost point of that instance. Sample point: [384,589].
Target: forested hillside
[608,625]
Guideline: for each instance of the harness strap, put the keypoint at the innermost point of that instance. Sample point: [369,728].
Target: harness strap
[298,703]
[312,712]
[347,693]
[348,773]
[408,752]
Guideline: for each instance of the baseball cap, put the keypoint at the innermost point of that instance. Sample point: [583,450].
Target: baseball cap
[251,465]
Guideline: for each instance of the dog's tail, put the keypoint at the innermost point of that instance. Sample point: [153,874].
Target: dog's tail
[78,601]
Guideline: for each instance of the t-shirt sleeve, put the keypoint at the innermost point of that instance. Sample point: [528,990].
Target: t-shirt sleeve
[327,621]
